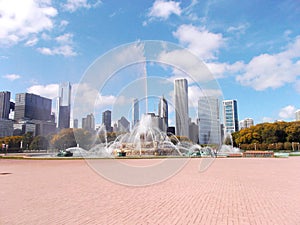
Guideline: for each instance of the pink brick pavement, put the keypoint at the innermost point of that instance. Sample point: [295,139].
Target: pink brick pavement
[230,191]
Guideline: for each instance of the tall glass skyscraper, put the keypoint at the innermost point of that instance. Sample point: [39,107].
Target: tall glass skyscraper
[4,104]
[135,112]
[163,112]
[230,113]
[64,106]
[209,120]
[181,107]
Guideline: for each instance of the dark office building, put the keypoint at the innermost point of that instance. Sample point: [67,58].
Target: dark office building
[4,104]
[106,120]
[64,117]
[32,107]
[171,130]
[64,106]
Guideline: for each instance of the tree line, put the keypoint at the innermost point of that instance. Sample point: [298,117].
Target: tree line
[66,138]
[269,136]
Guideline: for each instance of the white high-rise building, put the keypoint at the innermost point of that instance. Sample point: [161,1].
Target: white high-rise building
[231,120]
[297,114]
[135,112]
[246,123]
[181,107]
[209,120]
[64,106]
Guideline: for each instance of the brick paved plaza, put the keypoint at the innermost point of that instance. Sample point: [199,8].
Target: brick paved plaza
[230,191]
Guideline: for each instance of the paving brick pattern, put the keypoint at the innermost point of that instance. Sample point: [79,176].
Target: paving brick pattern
[230,191]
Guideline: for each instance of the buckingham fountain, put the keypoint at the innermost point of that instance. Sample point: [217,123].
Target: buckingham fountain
[145,140]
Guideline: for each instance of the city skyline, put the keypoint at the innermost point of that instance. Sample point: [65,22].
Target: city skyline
[33,114]
[161,111]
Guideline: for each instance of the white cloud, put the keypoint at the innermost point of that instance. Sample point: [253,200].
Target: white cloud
[32,42]
[190,66]
[11,77]
[20,19]
[163,9]
[48,91]
[273,71]
[65,50]
[199,40]
[73,5]
[65,38]
[287,112]
[240,29]
[87,100]
[297,86]
[133,53]
[220,69]
[65,47]
[45,37]
[63,24]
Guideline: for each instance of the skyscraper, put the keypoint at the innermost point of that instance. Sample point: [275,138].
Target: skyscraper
[32,107]
[135,112]
[181,107]
[297,114]
[230,113]
[64,106]
[4,104]
[163,112]
[209,120]
[106,120]
[194,132]
[123,125]
[246,123]
[75,123]
[88,123]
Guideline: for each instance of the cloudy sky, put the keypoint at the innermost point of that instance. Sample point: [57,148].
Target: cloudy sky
[252,48]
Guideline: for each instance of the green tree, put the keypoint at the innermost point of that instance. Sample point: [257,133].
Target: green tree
[84,138]
[27,139]
[293,132]
[287,146]
[13,142]
[64,139]
[39,143]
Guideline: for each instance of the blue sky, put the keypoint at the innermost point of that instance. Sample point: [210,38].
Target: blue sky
[252,48]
